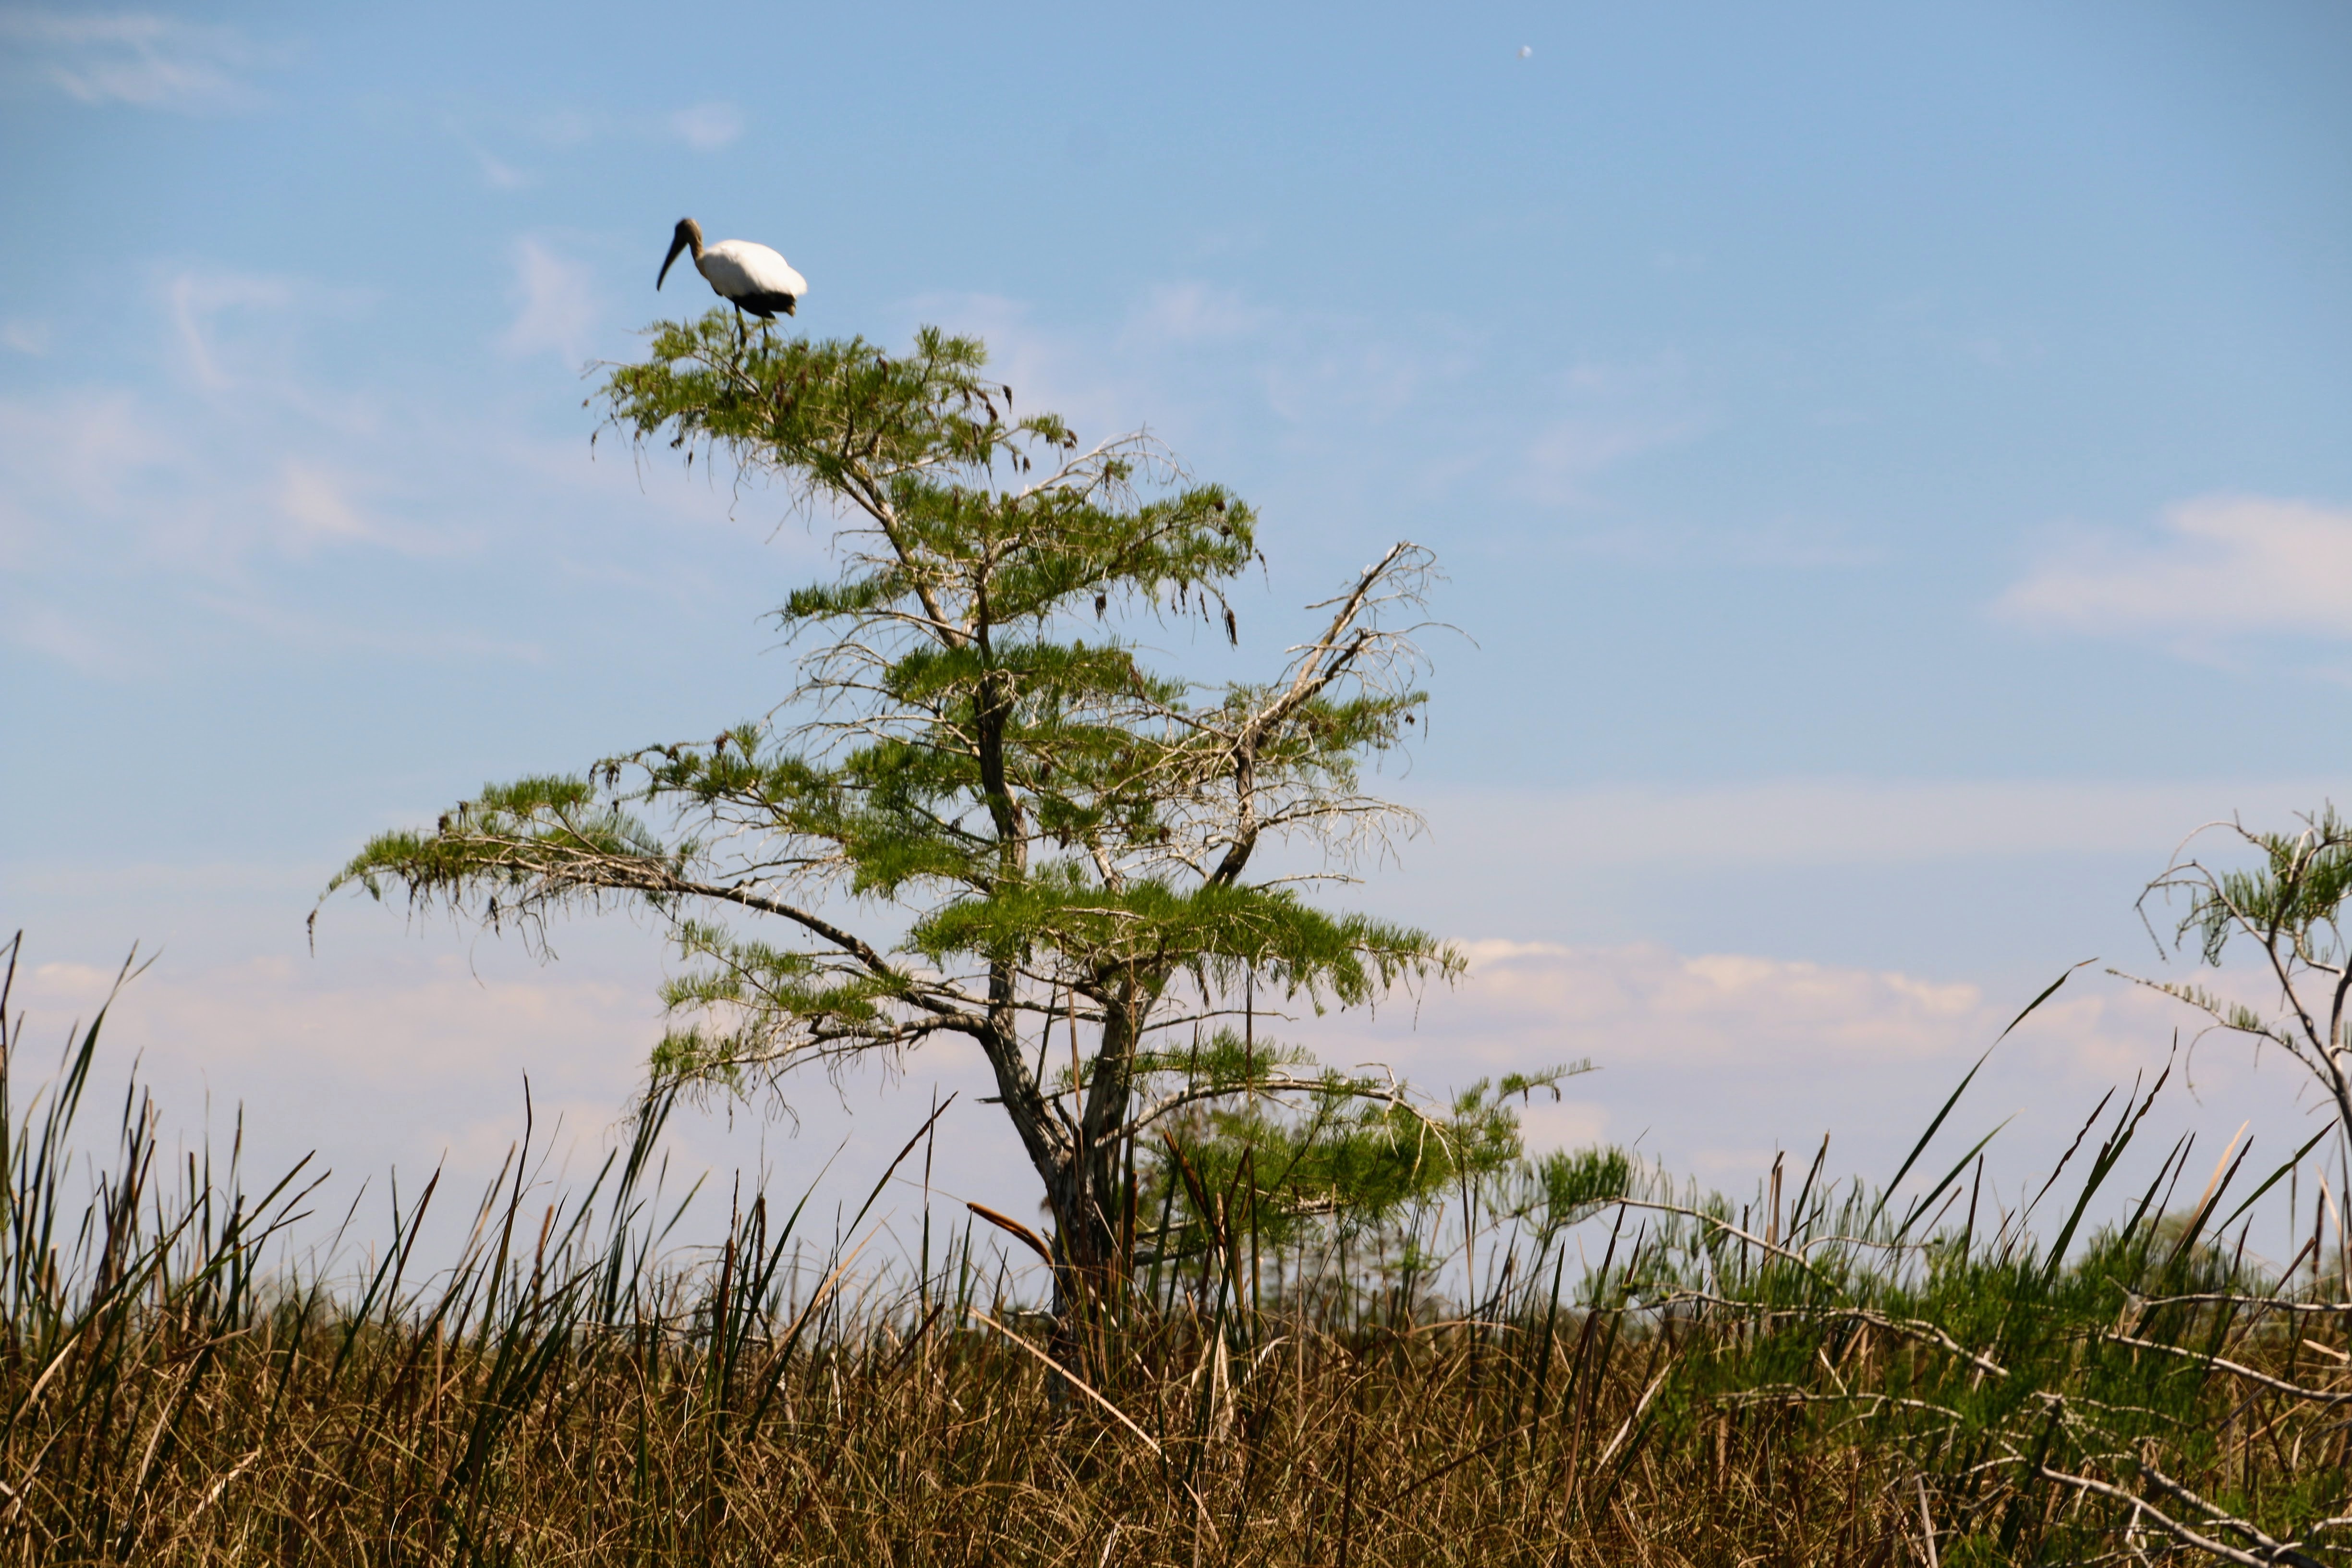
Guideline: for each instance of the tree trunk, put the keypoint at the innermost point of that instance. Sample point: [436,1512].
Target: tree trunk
[1091,1239]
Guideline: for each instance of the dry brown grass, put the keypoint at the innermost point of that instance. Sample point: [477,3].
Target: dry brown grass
[1372,1448]
[564,1394]
[289,1439]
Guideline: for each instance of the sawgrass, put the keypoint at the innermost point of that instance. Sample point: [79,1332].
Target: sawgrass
[1813,1377]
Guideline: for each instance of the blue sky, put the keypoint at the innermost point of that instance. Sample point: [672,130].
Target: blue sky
[1891,466]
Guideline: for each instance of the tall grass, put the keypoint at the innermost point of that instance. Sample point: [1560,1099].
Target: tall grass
[1816,1376]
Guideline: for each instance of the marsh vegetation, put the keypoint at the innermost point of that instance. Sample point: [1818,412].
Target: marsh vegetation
[1573,1360]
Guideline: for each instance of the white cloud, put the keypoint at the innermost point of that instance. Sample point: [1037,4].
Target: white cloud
[389,1055]
[2222,566]
[394,1067]
[80,643]
[254,334]
[197,297]
[1781,543]
[382,1050]
[68,456]
[497,172]
[1713,1008]
[498,175]
[563,128]
[377,1056]
[1610,412]
[27,337]
[142,533]
[315,502]
[708,127]
[1213,369]
[293,625]
[1046,370]
[1713,1061]
[101,485]
[140,58]
[1539,833]
[1568,453]
[1194,312]
[559,310]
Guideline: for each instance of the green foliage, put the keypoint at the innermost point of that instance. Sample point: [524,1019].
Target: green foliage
[929,442]
[1059,835]
[2298,892]
[1579,1182]
[538,841]
[2288,906]
[1275,1144]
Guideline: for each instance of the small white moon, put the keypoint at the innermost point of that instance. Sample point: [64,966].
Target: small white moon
[1526,50]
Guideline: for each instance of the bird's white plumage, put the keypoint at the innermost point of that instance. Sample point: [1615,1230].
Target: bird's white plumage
[737,267]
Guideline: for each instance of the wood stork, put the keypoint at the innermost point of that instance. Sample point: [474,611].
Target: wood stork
[747,276]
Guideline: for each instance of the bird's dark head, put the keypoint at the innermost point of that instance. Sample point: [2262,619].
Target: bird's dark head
[687,236]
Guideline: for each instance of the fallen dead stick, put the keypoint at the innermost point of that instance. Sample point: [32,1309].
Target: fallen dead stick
[1724,1226]
[2317,1395]
[2260,1303]
[2180,1493]
[2272,1554]
[1790,1393]
[1909,1328]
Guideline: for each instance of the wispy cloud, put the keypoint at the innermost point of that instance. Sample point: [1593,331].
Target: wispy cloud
[1707,1060]
[1697,1008]
[558,311]
[501,176]
[137,58]
[82,645]
[196,299]
[1195,312]
[1045,368]
[1566,454]
[562,128]
[76,454]
[105,482]
[1608,413]
[1712,1059]
[416,1043]
[318,505]
[293,625]
[1789,544]
[1537,838]
[708,127]
[276,501]
[381,1056]
[2221,567]
[1213,366]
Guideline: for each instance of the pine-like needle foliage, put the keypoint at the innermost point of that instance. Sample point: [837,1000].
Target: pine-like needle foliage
[2291,904]
[1056,845]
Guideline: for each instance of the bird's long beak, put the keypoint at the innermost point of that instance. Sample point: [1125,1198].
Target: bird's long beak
[675,246]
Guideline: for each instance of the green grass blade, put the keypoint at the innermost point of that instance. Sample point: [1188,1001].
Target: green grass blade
[2274,1178]
[1928,1136]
